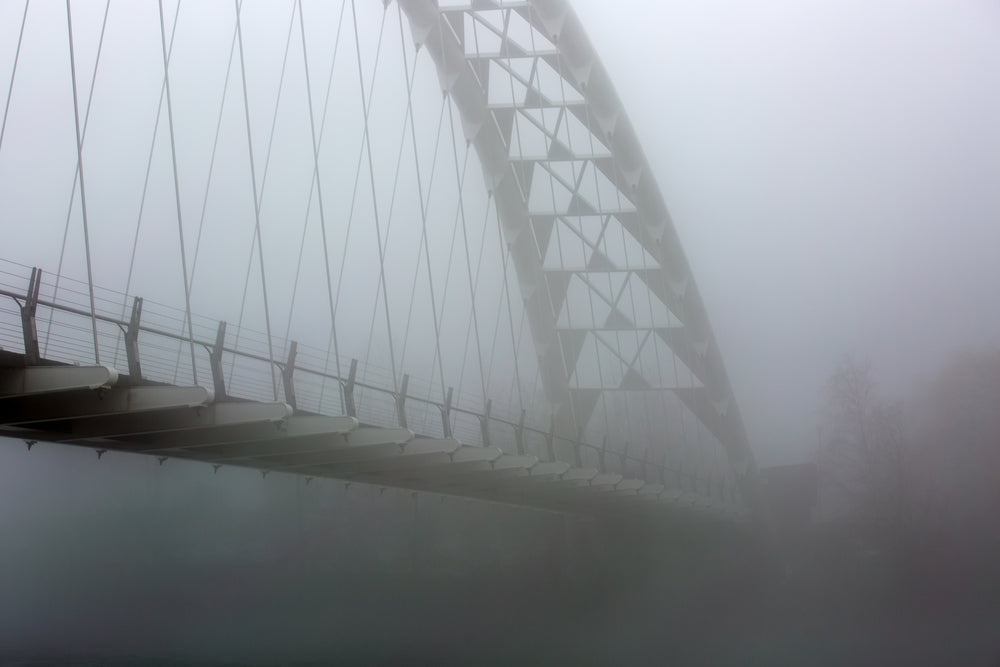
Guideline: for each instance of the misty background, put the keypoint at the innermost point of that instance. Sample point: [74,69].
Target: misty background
[832,171]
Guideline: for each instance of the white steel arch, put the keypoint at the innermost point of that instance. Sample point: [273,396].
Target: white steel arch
[526,38]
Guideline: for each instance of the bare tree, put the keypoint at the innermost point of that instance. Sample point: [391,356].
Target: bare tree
[864,451]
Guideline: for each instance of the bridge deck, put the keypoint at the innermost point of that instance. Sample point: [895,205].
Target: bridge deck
[95,406]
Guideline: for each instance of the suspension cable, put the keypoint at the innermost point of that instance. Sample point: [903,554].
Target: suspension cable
[424,247]
[317,183]
[520,145]
[505,289]
[388,230]
[331,339]
[460,181]
[515,343]
[83,194]
[13,74]
[365,109]
[256,203]
[371,174]
[603,235]
[177,191]
[208,187]
[149,162]
[259,200]
[211,161]
[76,172]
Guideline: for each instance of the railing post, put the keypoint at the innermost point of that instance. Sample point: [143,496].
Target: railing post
[550,438]
[577,458]
[519,433]
[286,375]
[601,454]
[132,342]
[446,414]
[28,328]
[645,464]
[624,457]
[215,360]
[401,401]
[349,406]
[484,423]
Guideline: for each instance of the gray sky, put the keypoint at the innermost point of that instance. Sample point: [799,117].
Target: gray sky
[832,169]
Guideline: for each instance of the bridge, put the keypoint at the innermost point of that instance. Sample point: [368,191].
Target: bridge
[411,244]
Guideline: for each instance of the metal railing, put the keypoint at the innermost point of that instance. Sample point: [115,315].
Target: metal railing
[240,368]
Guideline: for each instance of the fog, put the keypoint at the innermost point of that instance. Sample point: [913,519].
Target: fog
[831,169]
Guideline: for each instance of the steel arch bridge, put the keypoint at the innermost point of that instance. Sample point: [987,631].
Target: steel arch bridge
[533,336]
